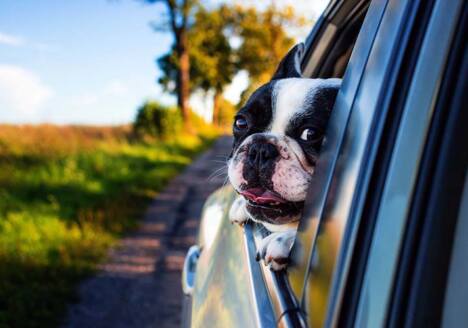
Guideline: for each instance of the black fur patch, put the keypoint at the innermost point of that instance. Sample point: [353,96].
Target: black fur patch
[257,111]
[317,110]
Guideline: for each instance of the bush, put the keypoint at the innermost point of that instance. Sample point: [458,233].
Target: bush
[157,121]
[161,122]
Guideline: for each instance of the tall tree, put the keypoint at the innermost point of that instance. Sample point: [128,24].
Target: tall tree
[212,56]
[179,16]
[261,42]
[264,41]
[212,59]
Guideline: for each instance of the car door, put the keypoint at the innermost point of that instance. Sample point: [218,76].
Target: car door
[347,250]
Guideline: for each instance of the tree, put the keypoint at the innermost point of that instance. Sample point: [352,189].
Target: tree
[179,15]
[156,120]
[212,59]
[264,41]
[212,56]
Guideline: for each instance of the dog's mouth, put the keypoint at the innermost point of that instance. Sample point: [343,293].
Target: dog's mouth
[268,206]
[260,196]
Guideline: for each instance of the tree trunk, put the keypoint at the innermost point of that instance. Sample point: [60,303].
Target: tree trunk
[183,78]
[216,109]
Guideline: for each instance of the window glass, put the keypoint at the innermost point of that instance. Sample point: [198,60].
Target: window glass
[454,313]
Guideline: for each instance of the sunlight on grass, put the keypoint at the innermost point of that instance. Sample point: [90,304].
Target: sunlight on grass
[66,195]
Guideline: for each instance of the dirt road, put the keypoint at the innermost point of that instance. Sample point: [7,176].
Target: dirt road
[139,286]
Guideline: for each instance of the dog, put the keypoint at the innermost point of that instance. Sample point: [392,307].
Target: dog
[278,134]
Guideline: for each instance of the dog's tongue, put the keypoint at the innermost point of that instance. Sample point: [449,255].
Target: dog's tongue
[261,196]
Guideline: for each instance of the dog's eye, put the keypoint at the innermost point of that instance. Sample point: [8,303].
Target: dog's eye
[241,123]
[310,135]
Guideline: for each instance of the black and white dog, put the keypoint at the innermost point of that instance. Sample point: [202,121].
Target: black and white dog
[277,139]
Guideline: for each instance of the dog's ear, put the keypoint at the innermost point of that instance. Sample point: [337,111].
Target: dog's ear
[290,65]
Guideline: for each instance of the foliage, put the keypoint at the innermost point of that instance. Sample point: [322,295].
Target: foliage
[169,65]
[61,208]
[227,110]
[215,59]
[264,40]
[158,121]
[212,59]
[202,127]
[212,56]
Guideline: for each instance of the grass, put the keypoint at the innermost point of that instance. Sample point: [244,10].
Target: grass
[66,195]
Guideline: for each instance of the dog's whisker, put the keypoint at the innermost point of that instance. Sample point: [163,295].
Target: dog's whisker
[218,161]
[220,168]
[211,178]
[217,172]
[226,180]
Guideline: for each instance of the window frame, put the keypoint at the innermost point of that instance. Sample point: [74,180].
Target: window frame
[366,84]
[423,270]
[395,204]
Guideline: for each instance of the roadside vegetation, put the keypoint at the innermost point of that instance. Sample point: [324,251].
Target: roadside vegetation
[66,195]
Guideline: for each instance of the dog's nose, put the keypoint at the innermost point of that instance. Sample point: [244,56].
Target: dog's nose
[261,154]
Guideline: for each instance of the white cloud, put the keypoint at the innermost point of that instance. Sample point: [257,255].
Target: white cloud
[18,41]
[86,99]
[11,40]
[115,88]
[22,93]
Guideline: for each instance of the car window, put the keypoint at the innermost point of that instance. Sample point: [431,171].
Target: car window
[331,53]
[454,312]
[337,195]
[330,44]
[391,220]
[422,270]
[301,255]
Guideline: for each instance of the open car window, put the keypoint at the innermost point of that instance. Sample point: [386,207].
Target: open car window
[340,190]
[339,185]
[327,55]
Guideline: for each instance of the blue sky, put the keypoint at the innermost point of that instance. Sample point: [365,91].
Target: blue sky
[87,61]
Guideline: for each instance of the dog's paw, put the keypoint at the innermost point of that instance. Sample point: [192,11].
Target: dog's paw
[238,212]
[275,248]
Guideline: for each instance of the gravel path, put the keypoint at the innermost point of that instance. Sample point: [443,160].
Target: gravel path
[139,286]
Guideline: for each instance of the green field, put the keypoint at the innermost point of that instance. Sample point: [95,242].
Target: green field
[66,195]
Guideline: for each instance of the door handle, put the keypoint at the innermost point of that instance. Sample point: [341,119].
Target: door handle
[190,267]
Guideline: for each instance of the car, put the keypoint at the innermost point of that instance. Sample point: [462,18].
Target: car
[382,238]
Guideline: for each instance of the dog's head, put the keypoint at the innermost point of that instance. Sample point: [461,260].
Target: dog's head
[277,139]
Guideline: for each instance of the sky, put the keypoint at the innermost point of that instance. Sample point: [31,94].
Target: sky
[88,61]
